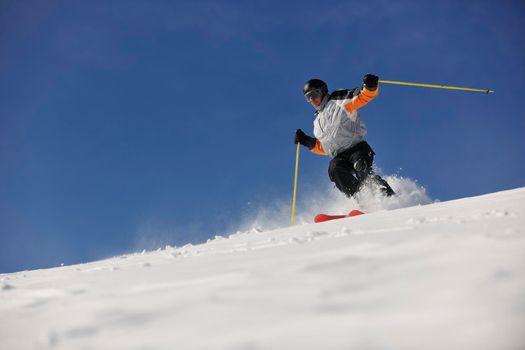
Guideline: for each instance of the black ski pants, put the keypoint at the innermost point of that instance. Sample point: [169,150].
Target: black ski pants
[349,169]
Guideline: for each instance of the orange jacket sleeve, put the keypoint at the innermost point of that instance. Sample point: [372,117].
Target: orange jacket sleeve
[318,149]
[362,99]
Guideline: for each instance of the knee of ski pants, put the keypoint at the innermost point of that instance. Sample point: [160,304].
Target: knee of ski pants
[357,163]
[362,164]
[339,168]
[343,175]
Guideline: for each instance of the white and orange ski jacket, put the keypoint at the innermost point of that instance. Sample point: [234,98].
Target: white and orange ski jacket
[338,125]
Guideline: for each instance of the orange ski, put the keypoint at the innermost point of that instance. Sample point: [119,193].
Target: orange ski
[324,217]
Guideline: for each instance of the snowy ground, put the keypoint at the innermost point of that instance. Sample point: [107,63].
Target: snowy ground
[447,275]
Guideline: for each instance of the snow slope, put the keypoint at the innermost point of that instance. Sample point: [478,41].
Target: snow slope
[447,275]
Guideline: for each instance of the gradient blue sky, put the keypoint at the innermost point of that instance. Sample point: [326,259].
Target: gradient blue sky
[124,119]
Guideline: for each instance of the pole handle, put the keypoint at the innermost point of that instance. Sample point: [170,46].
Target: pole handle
[295,182]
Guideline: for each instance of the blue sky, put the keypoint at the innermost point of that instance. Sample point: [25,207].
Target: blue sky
[125,119]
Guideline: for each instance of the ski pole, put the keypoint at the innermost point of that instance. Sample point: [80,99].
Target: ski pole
[295,182]
[435,86]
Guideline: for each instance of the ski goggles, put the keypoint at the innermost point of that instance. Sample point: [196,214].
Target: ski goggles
[310,95]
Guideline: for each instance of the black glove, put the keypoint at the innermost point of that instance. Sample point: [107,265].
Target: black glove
[303,139]
[371,81]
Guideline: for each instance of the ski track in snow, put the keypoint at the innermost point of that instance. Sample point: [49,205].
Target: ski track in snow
[446,275]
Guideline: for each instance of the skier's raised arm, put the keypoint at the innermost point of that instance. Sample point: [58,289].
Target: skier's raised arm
[367,93]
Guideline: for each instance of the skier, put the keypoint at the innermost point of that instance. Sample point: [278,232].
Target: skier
[340,133]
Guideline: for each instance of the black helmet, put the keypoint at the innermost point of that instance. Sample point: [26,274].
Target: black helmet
[316,85]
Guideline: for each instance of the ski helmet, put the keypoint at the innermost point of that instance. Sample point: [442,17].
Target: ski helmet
[315,87]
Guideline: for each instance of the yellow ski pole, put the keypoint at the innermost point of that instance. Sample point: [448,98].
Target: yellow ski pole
[295,182]
[435,86]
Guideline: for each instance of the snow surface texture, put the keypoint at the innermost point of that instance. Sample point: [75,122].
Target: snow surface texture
[446,275]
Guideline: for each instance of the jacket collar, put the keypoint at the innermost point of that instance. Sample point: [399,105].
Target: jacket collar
[324,101]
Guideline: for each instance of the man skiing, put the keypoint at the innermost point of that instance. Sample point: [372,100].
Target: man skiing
[340,133]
